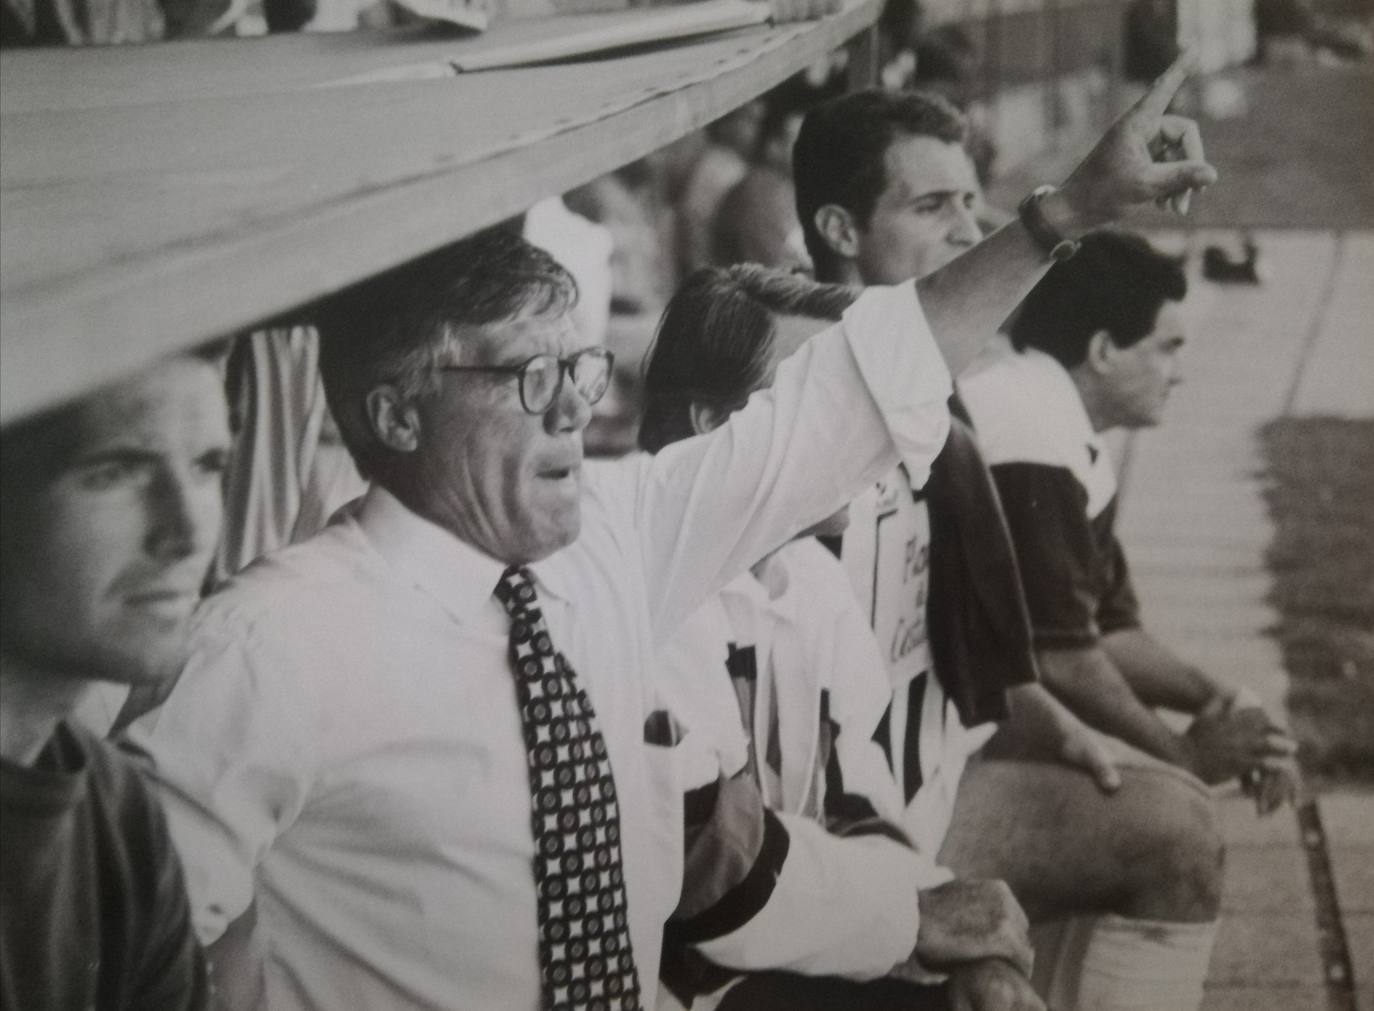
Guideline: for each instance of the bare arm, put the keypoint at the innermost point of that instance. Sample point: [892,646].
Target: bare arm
[1146,156]
[967,300]
[1159,677]
[1221,743]
[1092,687]
[1039,726]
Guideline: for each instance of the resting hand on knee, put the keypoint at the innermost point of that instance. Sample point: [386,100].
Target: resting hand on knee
[1042,727]
[965,921]
[991,985]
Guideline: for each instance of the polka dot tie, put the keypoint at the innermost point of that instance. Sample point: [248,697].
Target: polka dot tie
[584,937]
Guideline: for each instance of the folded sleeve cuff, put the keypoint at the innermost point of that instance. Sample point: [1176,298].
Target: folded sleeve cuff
[839,907]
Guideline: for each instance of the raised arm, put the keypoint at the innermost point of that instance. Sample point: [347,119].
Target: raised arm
[1148,156]
[870,393]
[844,409]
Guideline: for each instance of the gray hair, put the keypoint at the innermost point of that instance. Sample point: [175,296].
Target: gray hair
[400,326]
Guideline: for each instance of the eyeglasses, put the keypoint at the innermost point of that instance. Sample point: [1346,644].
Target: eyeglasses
[541,377]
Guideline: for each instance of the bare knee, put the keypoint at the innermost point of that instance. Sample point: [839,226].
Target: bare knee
[1172,853]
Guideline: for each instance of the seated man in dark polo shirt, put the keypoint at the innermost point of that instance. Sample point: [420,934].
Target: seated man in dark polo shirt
[1097,347]
[112,509]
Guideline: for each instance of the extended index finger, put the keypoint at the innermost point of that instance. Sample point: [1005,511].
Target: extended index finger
[1156,101]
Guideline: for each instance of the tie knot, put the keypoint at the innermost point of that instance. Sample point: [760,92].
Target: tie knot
[515,590]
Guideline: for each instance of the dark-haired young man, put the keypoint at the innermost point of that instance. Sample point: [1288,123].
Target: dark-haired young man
[1099,346]
[885,190]
[112,509]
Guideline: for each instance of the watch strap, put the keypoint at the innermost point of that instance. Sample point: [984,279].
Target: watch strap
[1045,235]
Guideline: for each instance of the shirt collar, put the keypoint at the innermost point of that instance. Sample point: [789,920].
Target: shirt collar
[1092,463]
[1056,380]
[459,576]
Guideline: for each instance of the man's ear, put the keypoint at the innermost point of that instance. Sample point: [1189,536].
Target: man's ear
[394,419]
[838,230]
[706,417]
[1101,352]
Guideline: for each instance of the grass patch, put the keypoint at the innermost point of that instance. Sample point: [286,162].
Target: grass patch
[1321,496]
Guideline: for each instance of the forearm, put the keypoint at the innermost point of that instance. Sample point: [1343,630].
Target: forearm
[1090,685]
[1146,156]
[708,507]
[1036,726]
[1157,676]
[967,300]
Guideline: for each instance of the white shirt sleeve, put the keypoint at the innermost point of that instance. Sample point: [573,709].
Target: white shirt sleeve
[236,771]
[842,906]
[846,407]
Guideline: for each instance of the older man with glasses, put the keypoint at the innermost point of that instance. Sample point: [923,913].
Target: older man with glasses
[429,740]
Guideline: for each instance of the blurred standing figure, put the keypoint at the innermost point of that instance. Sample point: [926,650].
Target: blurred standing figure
[1151,39]
[112,508]
[104,22]
[756,221]
[722,164]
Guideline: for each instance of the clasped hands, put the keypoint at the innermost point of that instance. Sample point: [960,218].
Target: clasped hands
[1233,736]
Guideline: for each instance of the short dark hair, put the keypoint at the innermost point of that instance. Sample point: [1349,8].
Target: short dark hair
[1117,282]
[38,447]
[398,326]
[841,153]
[714,343]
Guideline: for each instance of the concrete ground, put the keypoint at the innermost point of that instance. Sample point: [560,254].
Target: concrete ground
[1300,893]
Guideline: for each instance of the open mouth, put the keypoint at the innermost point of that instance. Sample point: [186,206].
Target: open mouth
[563,480]
[174,603]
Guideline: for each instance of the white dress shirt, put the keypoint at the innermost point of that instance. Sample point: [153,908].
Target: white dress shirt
[345,741]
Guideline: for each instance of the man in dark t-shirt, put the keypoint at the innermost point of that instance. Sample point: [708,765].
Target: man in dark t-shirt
[112,508]
[1097,347]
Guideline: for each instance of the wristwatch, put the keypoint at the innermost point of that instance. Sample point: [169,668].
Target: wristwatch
[1046,236]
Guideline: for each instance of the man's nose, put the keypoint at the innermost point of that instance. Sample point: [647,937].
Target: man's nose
[570,411]
[966,230]
[183,515]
